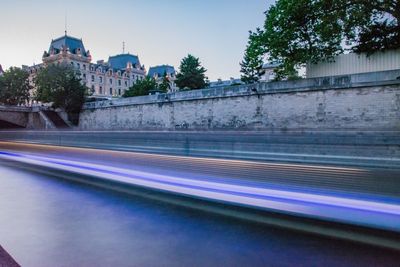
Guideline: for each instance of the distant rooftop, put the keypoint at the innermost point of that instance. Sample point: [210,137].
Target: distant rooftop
[121,61]
[220,83]
[161,70]
[272,64]
[1,69]
[73,44]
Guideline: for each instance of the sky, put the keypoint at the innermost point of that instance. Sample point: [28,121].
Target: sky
[158,31]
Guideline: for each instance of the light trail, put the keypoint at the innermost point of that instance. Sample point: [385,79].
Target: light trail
[370,213]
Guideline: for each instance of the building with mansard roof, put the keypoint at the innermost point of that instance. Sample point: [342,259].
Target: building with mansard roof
[1,70]
[104,79]
[159,72]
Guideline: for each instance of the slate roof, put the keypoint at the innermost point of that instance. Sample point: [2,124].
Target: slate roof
[72,43]
[160,70]
[273,64]
[224,83]
[121,61]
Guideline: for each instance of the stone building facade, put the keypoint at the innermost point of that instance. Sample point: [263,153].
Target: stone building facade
[104,79]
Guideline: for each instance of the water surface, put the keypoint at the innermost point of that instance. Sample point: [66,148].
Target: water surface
[46,221]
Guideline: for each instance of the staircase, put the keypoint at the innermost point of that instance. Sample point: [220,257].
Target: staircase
[55,119]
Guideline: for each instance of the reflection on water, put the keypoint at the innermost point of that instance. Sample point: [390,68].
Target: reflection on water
[51,222]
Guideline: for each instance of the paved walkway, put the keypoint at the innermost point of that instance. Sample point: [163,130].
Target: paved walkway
[6,260]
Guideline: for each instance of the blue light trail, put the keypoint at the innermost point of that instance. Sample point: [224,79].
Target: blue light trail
[369,212]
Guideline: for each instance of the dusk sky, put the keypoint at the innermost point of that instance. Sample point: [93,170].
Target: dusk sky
[159,31]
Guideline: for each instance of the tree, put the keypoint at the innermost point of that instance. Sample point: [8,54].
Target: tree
[297,32]
[165,84]
[372,25]
[61,86]
[14,87]
[191,74]
[141,87]
[253,57]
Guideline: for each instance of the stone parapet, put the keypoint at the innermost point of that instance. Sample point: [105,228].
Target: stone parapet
[301,85]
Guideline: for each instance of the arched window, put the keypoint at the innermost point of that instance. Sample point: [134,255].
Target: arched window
[111,91]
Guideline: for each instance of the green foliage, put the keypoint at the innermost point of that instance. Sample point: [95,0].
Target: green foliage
[373,25]
[165,84]
[61,86]
[141,87]
[191,74]
[300,31]
[14,87]
[253,57]
[297,32]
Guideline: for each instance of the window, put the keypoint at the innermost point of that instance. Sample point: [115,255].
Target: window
[119,91]
[111,92]
[84,75]
[126,83]
[72,63]
[110,81]
[101,90]
[119,82]
[92,78]
[84,66]
[78,66]
[92,88]
[101,79]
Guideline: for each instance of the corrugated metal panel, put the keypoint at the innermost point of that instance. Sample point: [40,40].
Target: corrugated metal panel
[353,63]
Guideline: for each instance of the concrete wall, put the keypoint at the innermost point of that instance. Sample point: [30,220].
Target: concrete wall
[16,115]
[26,117]
[356,63]
[340,102]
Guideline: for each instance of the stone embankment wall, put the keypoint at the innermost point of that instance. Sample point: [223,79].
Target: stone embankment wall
[369,101]
[30,118]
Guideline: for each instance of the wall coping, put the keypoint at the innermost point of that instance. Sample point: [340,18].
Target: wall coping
[22,108]
[381,78]
[16,108]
